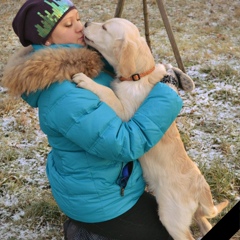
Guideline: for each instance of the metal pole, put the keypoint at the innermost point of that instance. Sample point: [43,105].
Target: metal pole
[145,13]
[119,9]
[170,34]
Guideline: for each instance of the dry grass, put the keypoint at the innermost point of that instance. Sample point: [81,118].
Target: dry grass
[207,34]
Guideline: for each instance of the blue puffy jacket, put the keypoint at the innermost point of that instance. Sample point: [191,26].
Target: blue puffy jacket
[91,145]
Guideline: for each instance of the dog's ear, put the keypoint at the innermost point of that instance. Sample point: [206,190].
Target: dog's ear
[125,52]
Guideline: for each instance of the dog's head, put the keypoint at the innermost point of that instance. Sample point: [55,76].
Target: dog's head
[119,41]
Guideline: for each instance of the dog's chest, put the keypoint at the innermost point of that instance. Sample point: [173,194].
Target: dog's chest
[130,93]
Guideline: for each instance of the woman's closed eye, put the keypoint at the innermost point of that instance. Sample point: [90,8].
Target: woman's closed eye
[68,24]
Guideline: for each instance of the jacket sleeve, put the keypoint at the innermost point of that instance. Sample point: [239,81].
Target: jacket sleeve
[95,127]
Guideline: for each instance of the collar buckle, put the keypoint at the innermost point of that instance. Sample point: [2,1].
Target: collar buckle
[136,77]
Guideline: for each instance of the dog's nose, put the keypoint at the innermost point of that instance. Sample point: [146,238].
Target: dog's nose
[86,24]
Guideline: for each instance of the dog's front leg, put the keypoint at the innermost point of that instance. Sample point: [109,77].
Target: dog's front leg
[105,94]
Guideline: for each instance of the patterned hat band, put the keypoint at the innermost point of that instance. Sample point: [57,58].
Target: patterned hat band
[36,19]
[50,19]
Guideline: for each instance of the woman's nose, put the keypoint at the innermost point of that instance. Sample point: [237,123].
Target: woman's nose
[79,27]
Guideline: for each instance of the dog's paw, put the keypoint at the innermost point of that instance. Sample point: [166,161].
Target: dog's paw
[82,80]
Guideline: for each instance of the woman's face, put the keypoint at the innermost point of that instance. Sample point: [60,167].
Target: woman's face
[68,30]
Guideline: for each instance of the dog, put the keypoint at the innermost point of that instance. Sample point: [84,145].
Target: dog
[181,191]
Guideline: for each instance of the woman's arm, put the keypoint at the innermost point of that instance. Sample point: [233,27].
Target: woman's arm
[96,128]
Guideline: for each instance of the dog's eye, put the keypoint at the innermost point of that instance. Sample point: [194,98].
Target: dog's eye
[104,28]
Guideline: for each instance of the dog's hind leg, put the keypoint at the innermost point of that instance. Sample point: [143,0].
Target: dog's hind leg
[177,227]
[202,221]
[206,209]
[203,213]
[177,218]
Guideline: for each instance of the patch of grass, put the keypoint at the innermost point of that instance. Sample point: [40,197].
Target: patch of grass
[225,148]
[237,12]
[226,95]
[43,211]
[7,104]
[210,127]
[222,72]
[222,180]
[8,155]
[185,139]
[8,179]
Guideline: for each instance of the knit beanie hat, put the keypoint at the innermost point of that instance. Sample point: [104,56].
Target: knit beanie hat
[36,19]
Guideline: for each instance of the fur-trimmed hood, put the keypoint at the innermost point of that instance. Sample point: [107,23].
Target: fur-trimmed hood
[28,70]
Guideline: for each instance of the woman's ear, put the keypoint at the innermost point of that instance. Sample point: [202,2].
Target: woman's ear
[47,43]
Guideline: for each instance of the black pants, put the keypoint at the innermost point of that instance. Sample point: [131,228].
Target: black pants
[141,222]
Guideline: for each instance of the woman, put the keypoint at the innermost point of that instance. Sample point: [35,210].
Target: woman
[93,170]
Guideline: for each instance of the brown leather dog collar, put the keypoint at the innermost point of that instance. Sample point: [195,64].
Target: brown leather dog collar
[137,76]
